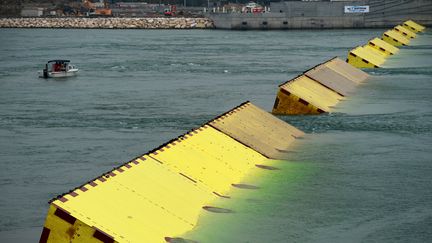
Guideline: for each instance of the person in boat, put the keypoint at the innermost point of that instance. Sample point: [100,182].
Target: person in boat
[56,67]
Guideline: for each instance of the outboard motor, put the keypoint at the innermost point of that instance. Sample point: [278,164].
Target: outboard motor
[45,71]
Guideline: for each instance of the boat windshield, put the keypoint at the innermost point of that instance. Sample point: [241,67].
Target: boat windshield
[58,65]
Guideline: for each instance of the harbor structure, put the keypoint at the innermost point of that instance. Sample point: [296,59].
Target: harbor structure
[326,15]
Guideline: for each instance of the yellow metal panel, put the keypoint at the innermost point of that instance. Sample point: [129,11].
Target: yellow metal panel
[162,194]
[374,51]
[405,32]
[142,201]
[217,146]
[312,92]
[347,70]
[59,229]
[395,38]
[258,130]
[362,58]
[266,121]
[411,25]
[209,156]
[289,104]
[331,79]
[383,46]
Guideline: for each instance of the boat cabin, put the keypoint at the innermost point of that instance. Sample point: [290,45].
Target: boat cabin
[58,68]
[57,65]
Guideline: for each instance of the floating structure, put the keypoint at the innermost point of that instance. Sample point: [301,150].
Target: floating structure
[384,47]
[405,32]
[395,38]
[362,57]
[411,25]
[374,54]
[374,51]
[161,194]
[316,97]
[319,89]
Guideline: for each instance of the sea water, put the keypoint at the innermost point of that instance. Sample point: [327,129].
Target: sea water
[361,174]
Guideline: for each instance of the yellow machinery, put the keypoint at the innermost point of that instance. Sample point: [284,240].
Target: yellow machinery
[384,47]
[374,54]
[319,89]
[161,194]
[303,95]
[361,57]
[395,38]
[142,200]
[374,51]
[258,130]
[413,26]
[210,157]
[332,79]
[348,71]
[405,32]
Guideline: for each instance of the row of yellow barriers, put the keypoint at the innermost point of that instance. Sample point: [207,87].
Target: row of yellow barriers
[321,88]
[375,52]
[161,194]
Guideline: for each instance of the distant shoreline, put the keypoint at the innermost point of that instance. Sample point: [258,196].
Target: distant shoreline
[108,23]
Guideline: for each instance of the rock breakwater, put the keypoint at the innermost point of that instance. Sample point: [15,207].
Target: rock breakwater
[108,23]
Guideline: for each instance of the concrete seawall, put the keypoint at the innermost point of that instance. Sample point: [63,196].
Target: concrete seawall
[108,23]
[328,15]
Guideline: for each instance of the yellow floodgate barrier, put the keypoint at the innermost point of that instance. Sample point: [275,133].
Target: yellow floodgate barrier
[405,32]
[362,57]
[413,26]
[374,54]
[374,51]
[318,89]
[137,202]
[346,70]
[210,157]
[334,80]
[258,130]
[303,95]
[395,38]
[161,194]
[385,48]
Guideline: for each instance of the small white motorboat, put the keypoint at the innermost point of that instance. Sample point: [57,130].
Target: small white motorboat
[58,69]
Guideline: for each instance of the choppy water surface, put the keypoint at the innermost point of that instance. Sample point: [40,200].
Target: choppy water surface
[361,174]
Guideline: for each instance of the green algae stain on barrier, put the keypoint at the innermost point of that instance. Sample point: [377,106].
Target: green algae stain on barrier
[251,209]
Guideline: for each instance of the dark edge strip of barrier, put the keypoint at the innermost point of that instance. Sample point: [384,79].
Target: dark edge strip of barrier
[187,177]
[102,236]
[276,103]
[44,236]
[291,80]
[64,215]
[323,63]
